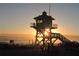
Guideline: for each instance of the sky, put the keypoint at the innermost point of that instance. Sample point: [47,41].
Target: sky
[16,18]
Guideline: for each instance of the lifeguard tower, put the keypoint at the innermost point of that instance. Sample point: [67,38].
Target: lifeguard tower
[43,26]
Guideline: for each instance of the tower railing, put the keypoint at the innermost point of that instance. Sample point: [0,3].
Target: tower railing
[54,26]
[33,25]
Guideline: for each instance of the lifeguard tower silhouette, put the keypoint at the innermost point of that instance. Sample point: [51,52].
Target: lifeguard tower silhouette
[43,26]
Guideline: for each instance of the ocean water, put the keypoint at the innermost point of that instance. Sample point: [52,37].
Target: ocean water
[27,38]
[18,38]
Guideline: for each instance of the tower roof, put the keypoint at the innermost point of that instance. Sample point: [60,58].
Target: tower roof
[44,16]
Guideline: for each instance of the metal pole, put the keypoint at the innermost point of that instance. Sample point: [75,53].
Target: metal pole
[49,8]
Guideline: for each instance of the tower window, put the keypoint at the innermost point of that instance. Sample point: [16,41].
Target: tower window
[39,21]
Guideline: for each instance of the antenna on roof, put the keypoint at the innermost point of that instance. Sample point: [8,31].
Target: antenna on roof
[49,8]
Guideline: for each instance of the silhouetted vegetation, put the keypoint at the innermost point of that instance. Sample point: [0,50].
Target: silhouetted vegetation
[67,49]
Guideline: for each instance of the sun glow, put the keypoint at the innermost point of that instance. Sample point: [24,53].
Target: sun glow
[47,32]
[55,31]
[40,39]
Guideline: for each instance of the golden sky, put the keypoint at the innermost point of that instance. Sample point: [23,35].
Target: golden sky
[16,18]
